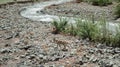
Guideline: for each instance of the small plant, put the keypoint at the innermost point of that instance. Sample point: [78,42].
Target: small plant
[117,11]
[59,25]
[100,2]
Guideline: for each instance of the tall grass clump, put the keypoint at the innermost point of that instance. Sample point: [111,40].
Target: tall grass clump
[115,39]
[59,25]
[94,31]
[117,11]
[118,0]
[71,30]
[100,2]
[78,1]
[87,29]
[106,34]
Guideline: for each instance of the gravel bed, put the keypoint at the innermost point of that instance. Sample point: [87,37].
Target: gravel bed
[83,10]
[26,43]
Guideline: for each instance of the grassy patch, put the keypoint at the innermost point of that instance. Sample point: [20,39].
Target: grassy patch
[117,11]
[94,31]
[100,2]
[59,25]
[5,1]
[78,1]
[97,2]
[86,29]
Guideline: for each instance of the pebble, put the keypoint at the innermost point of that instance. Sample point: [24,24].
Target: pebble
[5,50]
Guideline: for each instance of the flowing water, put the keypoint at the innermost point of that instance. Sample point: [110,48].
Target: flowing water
[31,12]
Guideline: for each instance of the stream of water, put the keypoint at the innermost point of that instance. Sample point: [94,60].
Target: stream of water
[31,12]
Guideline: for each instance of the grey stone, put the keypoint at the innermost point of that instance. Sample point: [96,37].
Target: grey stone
[22,56]
[32,56]
[73,51]
[8,37]
[41,66]
[45,57]
[115,66]
[5,50]
[117,50]
[26,47]
[80,62]
[41,56]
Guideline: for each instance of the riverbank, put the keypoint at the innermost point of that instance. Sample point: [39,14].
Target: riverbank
[27,43]
[83,10]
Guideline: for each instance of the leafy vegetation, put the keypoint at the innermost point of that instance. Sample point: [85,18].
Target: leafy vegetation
[94,31]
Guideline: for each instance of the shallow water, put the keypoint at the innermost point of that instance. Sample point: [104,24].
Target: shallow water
[31,12]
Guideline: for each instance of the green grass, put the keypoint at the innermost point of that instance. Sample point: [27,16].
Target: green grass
[5,1]
[97,2]
[117,11]
[100,2]
[95,32]
[59,25]
[87,29]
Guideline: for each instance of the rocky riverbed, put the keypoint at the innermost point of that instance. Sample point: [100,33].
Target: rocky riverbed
[82,10]
[26,43]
